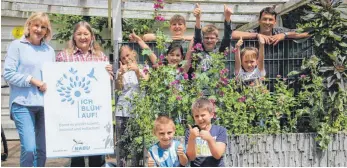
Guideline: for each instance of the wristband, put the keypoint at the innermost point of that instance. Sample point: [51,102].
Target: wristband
[285,34]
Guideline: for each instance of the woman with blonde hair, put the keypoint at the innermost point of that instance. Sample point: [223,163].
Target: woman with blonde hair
[22,70]
[84,48]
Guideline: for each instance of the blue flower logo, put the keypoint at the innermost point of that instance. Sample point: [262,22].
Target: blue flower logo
[75,87]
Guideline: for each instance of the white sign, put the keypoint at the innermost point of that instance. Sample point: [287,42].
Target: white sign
[78,110]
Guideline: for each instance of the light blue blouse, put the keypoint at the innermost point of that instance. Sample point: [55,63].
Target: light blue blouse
[23,61]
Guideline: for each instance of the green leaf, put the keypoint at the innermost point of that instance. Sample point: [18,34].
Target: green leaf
[326,68]
[332,55]
[308,17]
[293,73]
[331,80]
[327,15]
[333,35]
[343,44]
[146,51]
[319,39]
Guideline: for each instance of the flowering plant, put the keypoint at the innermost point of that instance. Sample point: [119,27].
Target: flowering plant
[158,5]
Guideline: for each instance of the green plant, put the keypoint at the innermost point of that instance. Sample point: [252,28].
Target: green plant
[139,26]
[66,25]
[325,22]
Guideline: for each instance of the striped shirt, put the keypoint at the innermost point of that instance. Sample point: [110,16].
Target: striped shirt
[78,56]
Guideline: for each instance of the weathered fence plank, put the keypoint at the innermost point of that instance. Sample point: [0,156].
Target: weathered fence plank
[285,150]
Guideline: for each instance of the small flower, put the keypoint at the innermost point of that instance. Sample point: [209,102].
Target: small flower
[160,63]
[285,79]
[213,101]
[160,1]
[242,99]
[159,18]
[278,76]
[224,81]
[223,71]
[221,93]
[180,69]
[234,50]
[185,76]
[175,82]
[204,68]
[193,76]
[158,6]
[226,52]
[178,98]
[303,76]
[145,71]
[251,84]
[161,57]
[198,47]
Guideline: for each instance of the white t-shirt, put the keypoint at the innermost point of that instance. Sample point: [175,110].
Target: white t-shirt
[130,86]
[248,76]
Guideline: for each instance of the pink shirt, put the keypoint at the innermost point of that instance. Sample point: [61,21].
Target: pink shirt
[78,56]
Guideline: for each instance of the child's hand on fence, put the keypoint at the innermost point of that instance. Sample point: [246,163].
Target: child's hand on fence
[227,12]
[205,135]
[194,132]
[150,161]
[197,11]
[239,43]
[133,37]
[180,151]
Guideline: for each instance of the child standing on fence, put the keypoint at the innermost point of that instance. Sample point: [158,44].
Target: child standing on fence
[167,152]
[249,63]
[127,77]
[206,38]
[206,143]
[173,56]
[177,29]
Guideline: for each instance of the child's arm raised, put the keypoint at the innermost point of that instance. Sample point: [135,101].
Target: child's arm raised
[238,57]
[261,54]
[197,33]
[197,14]
[191,145]
[143,45]
[227,29]
[217,149]
[189,56]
